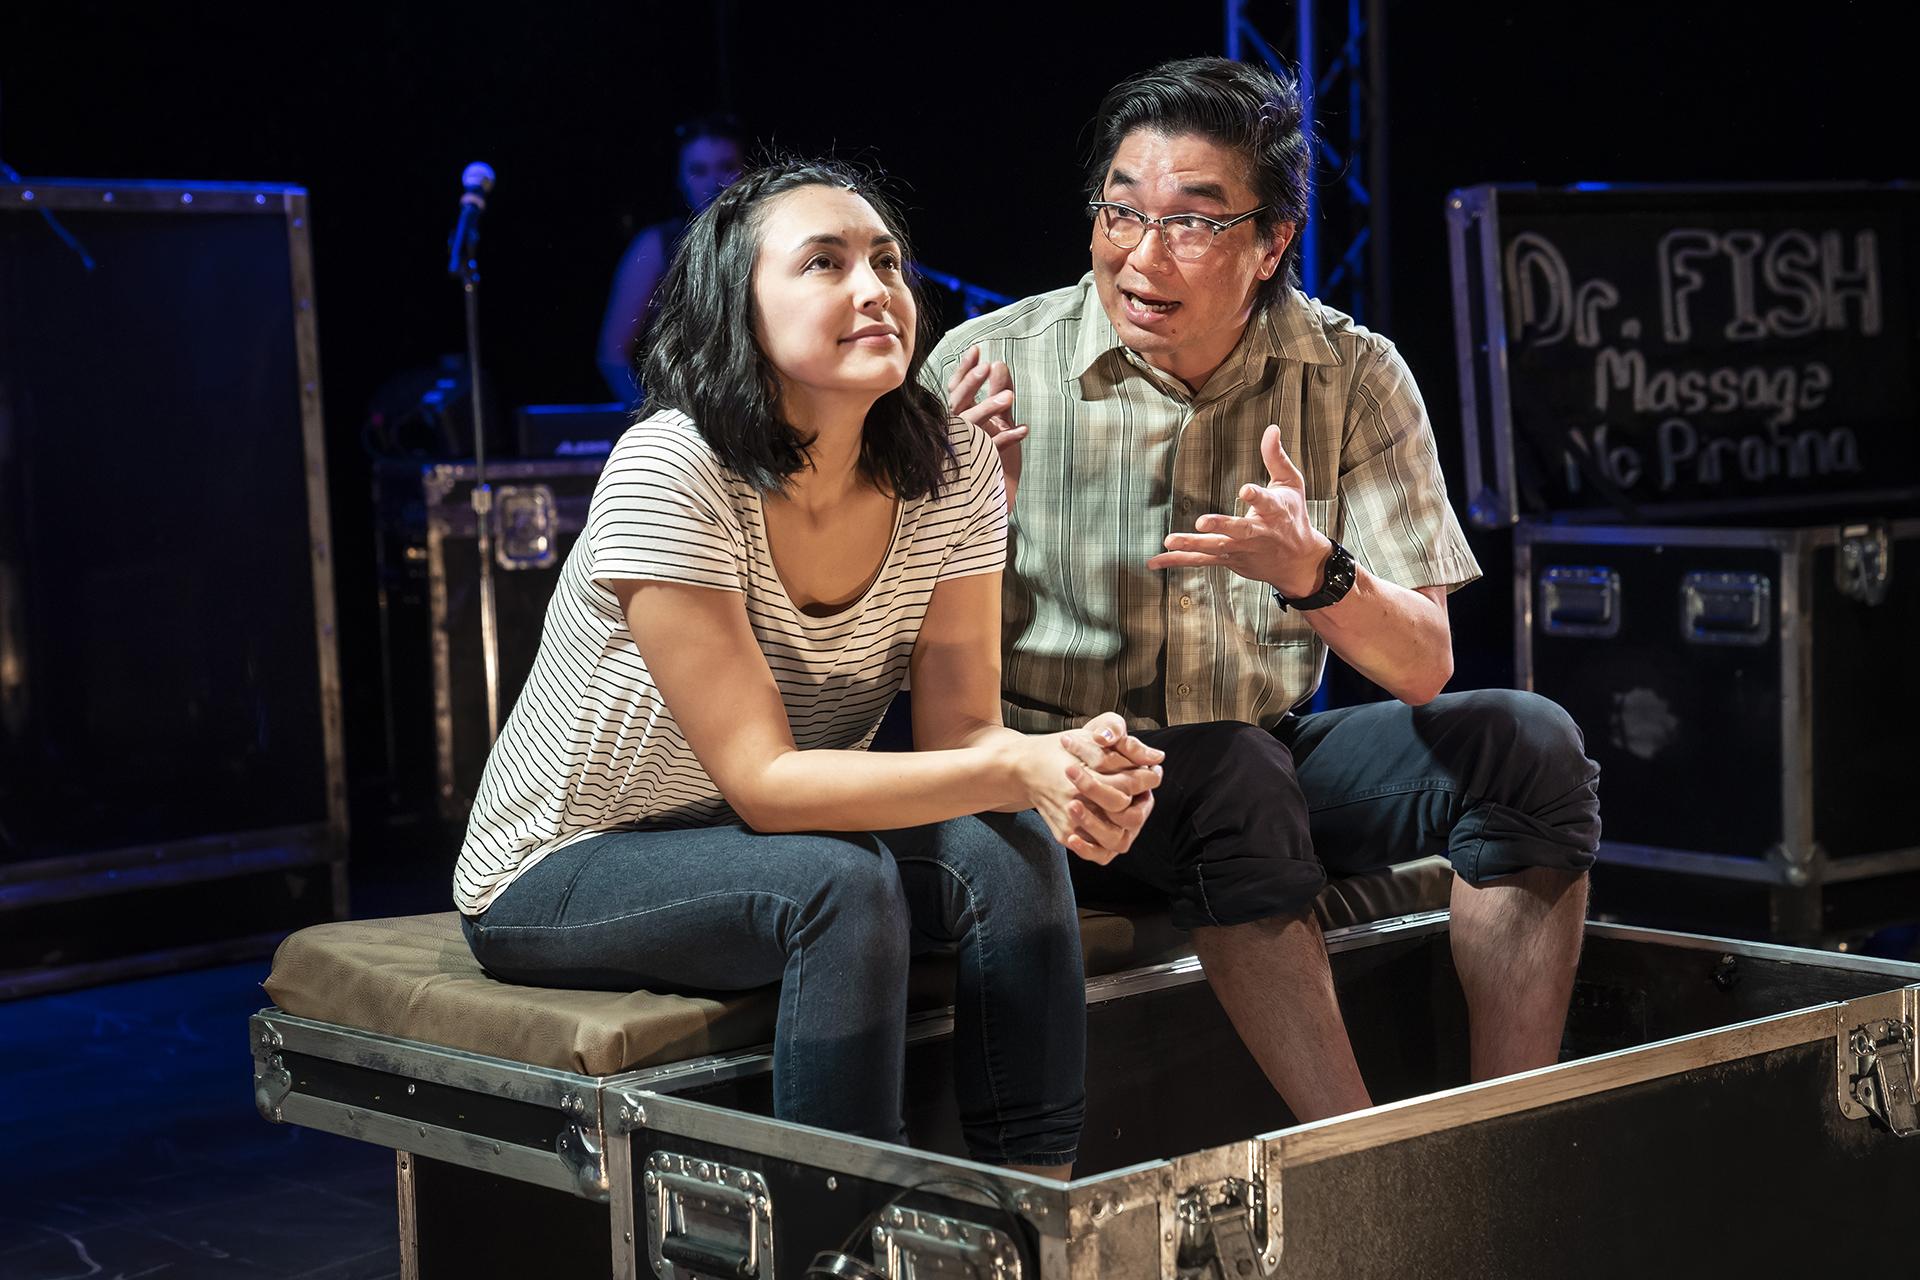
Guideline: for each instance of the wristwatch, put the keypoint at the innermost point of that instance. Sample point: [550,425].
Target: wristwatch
[1336,579]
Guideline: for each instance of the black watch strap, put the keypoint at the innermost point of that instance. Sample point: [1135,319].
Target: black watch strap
[1336,579]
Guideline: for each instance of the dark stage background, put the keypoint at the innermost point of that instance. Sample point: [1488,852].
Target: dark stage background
[978,113]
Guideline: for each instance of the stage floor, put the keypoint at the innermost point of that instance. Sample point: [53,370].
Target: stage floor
[129,1146]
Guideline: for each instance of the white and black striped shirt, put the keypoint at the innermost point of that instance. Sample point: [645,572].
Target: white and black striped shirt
[592,746]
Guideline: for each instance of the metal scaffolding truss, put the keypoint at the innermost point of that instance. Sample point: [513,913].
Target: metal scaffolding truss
[1338,52]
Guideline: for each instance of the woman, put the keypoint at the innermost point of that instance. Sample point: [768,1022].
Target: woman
[709,154]
[679,798]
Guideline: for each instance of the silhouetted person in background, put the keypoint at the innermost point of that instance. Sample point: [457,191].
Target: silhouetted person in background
[709,161]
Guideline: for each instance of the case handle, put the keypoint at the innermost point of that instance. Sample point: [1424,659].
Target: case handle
[1579,600]
[708,1219]
[1726,608]
[701,1259]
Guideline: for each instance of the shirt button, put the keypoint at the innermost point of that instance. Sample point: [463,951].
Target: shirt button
[1184,689]
[1186,602]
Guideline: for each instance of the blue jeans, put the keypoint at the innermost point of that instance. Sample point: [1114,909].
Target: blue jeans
[834,919]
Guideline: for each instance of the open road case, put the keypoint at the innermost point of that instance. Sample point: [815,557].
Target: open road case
[1721,1108]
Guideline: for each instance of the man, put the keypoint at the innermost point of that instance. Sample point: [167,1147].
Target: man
[1186,379]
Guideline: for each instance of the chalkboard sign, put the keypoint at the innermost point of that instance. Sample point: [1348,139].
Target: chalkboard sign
[1659,352]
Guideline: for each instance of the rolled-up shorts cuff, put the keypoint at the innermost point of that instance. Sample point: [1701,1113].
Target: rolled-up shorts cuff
[1493,841]
[1288,891]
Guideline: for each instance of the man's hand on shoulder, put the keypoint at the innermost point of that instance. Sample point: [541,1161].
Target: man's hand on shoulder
[1274,542]
[981,393]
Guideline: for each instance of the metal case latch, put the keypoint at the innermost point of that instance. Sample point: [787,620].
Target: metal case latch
[1881,1077]
[915,1245]
[581,1149]
[707,1219]
[1864,563]
[1224,1232]
[526,523]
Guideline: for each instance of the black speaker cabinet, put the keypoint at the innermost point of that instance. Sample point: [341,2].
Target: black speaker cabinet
[171,779]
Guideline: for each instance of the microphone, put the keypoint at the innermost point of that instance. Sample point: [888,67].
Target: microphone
[476,180]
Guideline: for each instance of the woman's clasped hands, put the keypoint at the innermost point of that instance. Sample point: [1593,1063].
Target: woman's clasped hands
[1093,785]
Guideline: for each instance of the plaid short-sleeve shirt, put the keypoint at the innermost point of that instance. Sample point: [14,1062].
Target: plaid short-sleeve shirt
[1120,455]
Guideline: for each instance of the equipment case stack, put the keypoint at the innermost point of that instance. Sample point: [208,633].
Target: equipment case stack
[1701,409]
[430,607]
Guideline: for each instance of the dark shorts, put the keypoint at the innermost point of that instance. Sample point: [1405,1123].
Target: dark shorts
[1248,824]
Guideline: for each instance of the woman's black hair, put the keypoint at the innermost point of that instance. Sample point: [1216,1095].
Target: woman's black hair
[1242,107]
[703,359]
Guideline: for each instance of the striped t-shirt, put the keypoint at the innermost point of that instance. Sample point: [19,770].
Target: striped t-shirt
[592,746]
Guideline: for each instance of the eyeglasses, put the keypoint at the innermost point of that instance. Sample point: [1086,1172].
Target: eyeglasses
[1187,236]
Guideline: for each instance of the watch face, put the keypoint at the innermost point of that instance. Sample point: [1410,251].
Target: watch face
[1339,580]
[1339,570]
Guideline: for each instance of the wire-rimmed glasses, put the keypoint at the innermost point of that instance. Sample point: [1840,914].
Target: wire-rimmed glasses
[1187,236]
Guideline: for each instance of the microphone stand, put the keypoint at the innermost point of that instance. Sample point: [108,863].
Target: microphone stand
[466,265]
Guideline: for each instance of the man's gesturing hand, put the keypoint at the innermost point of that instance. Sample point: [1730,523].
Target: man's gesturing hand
[1273,542]
[992,386]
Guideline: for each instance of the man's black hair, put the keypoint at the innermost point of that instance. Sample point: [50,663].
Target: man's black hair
[1245,108]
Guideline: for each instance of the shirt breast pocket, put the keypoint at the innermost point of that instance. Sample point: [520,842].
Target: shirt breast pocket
[1258,615]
